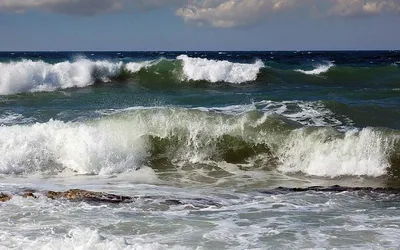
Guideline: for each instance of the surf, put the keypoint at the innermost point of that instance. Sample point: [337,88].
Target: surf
[320,69]
[27,75]
[159,137]
[37,76]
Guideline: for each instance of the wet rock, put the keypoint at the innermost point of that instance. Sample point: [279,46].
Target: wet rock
[5,197]
[102,197]
[29,194]
[173,202]
[90,196]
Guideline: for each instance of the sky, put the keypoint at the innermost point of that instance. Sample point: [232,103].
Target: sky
[159,25]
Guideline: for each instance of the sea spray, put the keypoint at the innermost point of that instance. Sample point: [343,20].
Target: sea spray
[35,76]
[129,140]
[198,69]
[320,69]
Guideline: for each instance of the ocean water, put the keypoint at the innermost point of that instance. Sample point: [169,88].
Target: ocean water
[240,139]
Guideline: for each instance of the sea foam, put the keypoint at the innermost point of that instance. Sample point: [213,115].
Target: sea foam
[128,141]
[198,69]
[34,76]
[55,146]
[321,153]
[135,67]
[37,76]
[320,69]
[82,238]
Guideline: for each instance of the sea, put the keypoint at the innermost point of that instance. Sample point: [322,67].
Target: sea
[220,150]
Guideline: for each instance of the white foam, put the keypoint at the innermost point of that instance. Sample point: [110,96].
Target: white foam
[34,76]
[198,69]
[120,142]
[135,67]
[112,144]
[99,148]
[321,153]
[10,118]
[323,68]
[80,238]
[307,113]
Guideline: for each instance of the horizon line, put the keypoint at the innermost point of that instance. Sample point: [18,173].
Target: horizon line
[150,51]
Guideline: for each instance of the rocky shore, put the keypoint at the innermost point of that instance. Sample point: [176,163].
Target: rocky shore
[102,197]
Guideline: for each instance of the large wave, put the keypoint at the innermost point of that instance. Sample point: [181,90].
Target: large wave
[175,136]
[34,76]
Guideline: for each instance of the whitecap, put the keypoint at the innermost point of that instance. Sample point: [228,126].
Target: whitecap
[320,69]
[198,69]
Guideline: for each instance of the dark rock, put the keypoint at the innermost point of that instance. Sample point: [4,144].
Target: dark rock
[91,196]
[5,197]
[29,194]
[173,202]
[102,197]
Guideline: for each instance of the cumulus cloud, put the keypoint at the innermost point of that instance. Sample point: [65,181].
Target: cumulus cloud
[364,7]
[234,13]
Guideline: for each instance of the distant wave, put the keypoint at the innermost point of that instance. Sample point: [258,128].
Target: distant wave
[198,69]
[35,76]
[320,69]
[135,67]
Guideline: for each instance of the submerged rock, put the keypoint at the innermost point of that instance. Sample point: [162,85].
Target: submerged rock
[85,195]
[73,195]
[5,197]
[102,197]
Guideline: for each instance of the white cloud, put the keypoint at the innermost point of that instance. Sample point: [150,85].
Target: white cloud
[216,13]
[234,13]
[364,7]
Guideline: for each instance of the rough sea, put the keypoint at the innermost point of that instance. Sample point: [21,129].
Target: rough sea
[218,150]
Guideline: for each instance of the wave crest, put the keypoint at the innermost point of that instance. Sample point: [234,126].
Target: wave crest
[165,136]
[200,69]
[35,76]
[320,69]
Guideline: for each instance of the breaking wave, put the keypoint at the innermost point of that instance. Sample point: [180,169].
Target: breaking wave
[317,71]
[198,69]
[155,137]
[36,76]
